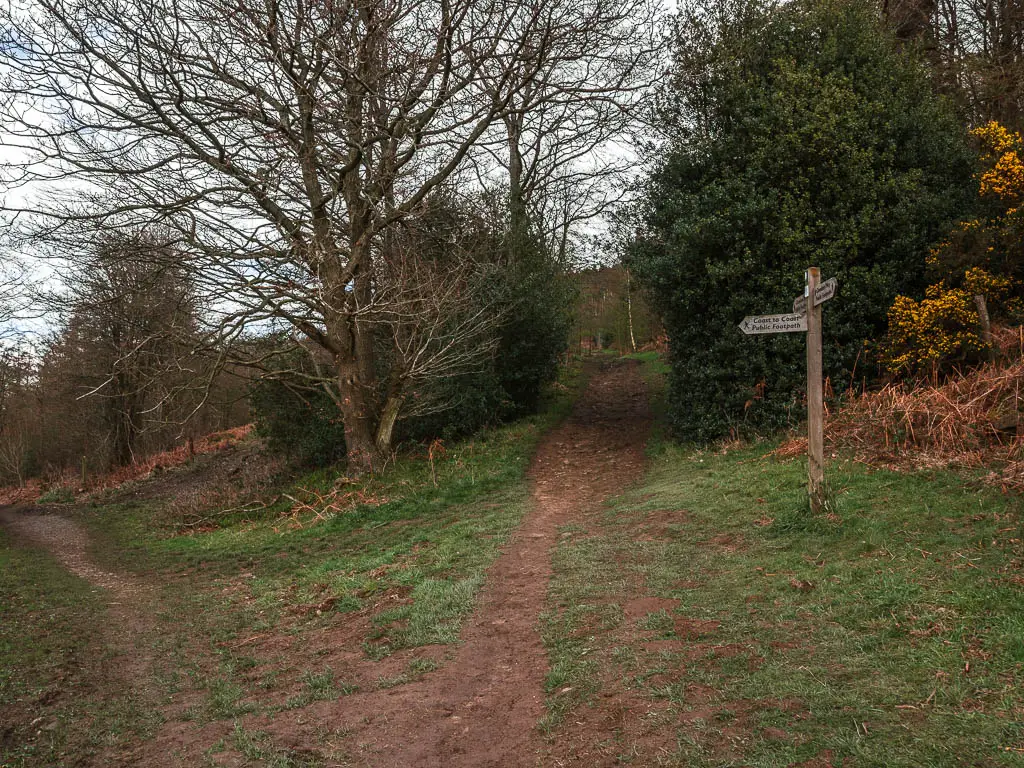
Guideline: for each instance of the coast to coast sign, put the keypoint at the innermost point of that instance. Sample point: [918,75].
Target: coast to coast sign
[792,323]
[810,321]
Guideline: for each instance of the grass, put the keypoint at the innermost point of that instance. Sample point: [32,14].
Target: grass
[655,371]
[420,554]
[889,633]
[654,363]
[426,546]
[414,671]
[737,628]
[257,748]
[319,686]
[59,494]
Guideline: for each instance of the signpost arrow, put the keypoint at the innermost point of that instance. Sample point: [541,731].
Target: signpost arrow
[790,323]
[822,293]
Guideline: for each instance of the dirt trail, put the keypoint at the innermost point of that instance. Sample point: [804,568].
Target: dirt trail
[67,541]
[128,626]
[479,709]
[482,708]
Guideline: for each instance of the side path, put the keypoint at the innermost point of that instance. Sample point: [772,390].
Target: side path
[68,542]
[482,708]
[121,657]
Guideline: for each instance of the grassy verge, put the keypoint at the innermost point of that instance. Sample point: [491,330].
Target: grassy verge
[889,633]
[428,531]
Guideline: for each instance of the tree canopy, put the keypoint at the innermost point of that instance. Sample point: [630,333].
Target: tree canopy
[288,149]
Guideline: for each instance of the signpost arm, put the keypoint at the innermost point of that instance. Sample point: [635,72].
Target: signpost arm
[815,402]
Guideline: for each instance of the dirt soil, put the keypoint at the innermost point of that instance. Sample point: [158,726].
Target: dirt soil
[482,705]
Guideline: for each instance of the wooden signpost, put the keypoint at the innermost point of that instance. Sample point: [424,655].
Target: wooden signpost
[810,321]
[815,401]
[822,293]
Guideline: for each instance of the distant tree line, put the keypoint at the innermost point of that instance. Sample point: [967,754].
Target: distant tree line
[122,375]
[974,50]
[611,312]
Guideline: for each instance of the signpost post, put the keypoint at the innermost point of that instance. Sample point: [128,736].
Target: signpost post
[815,401]
[806,319]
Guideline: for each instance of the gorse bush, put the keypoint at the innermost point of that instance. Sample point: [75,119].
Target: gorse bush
[801,136]
[1004,178]
[981,256]
[943,329]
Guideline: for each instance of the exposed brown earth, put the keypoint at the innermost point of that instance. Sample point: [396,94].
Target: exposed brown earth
[483,707]
[121,660]
[68,542]
[128,623]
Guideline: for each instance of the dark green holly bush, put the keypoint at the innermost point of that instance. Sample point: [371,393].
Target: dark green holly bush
[801,136]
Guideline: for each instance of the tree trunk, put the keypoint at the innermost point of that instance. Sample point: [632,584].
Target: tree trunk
[361,328]
[516,203]
[986,328]
[357,416]
[352,338]
[387,424]
[629,313]
[121,409]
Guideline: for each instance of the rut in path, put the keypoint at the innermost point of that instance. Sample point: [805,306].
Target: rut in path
[483,707]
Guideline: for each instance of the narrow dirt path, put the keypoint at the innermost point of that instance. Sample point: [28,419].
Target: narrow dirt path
[482,708]
[125,653]
[68,542]
[479,709]
[122,651]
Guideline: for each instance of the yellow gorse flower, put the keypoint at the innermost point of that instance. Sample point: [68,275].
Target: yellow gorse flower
[996,137]
[942,327]
[980,282]
[1005,179]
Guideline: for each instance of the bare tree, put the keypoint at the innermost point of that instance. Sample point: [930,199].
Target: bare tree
[569,124]
[127,338]
[280,143]
[910,19]
[14,297]
[16,370]
[976,48]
